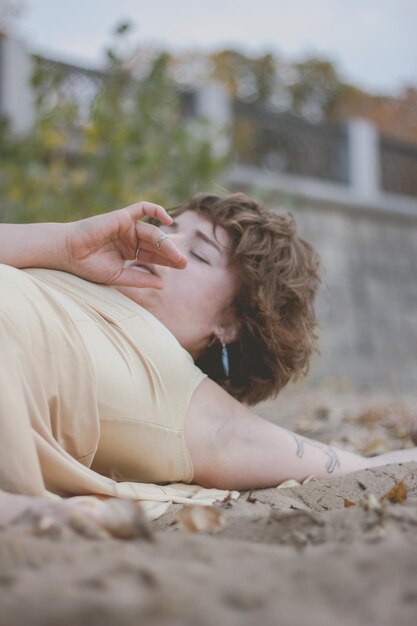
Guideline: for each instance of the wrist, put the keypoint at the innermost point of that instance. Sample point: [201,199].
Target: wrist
[61,257]
[34,245]
[49,249]
[46,246]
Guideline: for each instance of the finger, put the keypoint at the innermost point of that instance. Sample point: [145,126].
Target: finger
[148,253]
[140,209]
[167,254]
[152,256]
[134,277]
[148,235]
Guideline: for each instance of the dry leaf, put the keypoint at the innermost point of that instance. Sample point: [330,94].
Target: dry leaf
[299,539]
[85,525]
[251,498]
[371,416]
[118,517]
[398,493]
[322,412]
[348,503]
[375,447]
[46,524]
[304,425]
[125,519]
[371,503]
[308,479]
[289,483]
[194,518]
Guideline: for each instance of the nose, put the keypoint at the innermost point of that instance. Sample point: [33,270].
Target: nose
[179,240]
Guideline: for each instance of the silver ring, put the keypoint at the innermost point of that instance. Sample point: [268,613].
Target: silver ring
[137,253]
[160,240]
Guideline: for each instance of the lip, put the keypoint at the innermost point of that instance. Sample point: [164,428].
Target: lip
[147,267]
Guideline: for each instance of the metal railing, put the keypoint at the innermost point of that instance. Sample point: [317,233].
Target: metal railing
[258,137]
[286,143]
[398,167]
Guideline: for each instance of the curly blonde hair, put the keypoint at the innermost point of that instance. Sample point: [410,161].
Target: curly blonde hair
[279,274]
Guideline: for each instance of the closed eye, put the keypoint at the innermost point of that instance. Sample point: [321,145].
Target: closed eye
[200,258]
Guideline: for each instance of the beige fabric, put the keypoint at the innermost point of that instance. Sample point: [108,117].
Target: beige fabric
[155,499]
[89,377]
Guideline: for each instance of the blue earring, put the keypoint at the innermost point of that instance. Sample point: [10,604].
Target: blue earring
[225,358]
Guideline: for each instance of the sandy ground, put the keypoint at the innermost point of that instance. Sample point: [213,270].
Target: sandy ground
[342,551]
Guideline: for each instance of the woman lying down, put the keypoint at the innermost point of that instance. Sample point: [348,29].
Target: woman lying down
[130,353]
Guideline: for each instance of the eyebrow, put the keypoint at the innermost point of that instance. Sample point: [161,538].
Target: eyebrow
[202,236]
[208,240]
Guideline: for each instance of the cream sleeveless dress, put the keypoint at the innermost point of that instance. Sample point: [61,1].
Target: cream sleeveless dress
[93,392]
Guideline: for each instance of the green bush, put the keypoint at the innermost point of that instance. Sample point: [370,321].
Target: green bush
[131,143]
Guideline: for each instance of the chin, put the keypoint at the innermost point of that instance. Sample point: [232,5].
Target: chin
[137,294]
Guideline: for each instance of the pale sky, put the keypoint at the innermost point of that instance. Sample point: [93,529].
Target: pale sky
[372,42]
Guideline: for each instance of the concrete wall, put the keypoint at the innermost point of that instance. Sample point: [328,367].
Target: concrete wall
[16,96]
[367,305]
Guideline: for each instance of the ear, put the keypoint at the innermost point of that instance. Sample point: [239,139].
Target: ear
[228,332]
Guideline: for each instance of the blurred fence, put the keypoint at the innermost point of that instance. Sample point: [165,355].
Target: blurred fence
[285,143]
[351,156]
[274,142]
[398,167]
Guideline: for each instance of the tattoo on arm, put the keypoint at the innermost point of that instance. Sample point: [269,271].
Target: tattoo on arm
[332,458]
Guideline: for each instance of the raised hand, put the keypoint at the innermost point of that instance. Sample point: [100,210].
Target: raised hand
[97,248]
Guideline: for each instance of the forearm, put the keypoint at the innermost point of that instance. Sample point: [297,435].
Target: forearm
[33,245]
[306,457]
[273,454]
